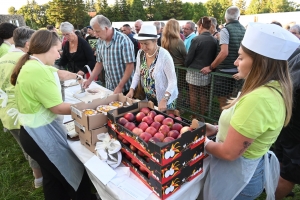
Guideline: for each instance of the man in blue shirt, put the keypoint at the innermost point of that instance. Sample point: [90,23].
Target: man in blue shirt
[127,31]
[115,54]
[188,32]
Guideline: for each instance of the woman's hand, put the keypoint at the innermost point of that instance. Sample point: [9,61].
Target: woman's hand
[205,70]
[130,93]
[211,129]
[80,73]
[236,76]
[162,106]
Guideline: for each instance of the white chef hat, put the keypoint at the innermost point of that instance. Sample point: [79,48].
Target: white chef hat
[270,40]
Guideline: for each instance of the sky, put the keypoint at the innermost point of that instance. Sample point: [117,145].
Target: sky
[5,4]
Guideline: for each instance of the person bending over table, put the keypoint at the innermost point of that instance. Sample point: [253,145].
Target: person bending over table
[240,165]
[42,134]
[155,70]
[76,52]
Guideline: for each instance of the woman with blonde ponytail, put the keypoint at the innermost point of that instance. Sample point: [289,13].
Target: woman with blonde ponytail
[40,104]
[251,123]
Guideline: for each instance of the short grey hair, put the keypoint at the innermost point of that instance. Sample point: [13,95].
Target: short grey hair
[21,35]
[192,24]
[296,27]
[139,21]
[101,20]
[157,25]
[232,13]
[66,27]
[213,21]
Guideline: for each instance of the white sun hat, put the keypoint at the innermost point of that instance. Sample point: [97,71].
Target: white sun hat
[270,40]
[147,32]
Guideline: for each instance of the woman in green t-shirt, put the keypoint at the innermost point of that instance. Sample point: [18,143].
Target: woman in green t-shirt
[6,37]
[42,134]
[250,124]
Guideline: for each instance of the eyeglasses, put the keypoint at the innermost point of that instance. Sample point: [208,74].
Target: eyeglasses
[294,33]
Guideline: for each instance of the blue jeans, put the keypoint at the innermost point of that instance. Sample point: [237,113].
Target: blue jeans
[256,184]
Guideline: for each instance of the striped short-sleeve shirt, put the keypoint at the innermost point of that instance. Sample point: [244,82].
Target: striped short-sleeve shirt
[114,57]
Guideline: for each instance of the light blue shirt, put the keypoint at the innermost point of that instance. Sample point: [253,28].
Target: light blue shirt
[188,40]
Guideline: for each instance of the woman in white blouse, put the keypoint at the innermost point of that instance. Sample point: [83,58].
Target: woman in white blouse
[155,69]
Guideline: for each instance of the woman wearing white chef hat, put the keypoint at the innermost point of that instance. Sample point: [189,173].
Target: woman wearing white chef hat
[241,166]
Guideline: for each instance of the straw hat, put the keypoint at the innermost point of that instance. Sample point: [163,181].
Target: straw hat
[147,32]
[270,40]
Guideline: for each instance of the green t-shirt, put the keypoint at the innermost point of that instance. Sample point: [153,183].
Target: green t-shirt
[36,87]
[7,64]
[4,48]
[258,115]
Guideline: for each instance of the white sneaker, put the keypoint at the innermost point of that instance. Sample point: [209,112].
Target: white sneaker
[38,182]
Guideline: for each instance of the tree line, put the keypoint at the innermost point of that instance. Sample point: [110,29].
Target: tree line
[78,12]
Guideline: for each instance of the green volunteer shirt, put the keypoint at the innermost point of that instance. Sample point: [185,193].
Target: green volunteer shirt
[260,115]
[4,48]
[36,88]
[7,64]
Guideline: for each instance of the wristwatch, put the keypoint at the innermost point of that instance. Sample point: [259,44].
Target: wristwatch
[167,96]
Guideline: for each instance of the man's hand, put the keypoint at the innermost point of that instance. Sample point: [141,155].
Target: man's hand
[86,83]
[205,70]
[118,90]
[80,73]
[130,93]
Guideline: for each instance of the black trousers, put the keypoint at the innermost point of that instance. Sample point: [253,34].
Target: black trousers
[54,184]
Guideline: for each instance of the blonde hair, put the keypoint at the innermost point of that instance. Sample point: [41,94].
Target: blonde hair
[263,70]
[171,33]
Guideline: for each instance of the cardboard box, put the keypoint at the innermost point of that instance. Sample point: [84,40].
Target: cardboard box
[165,173]
[162,153]
[165,190]
[98,120]
[88,138]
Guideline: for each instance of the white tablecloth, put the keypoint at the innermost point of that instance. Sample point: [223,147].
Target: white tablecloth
[188,191]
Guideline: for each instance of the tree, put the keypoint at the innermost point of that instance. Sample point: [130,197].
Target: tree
[137,11]
[28,13]
[161,11]
[116,11]
[214,9]
[258,6]
[187,11]
[124,10]
[280,6]
[73,11]
[241,4]
[149,4]
[12,10]
[175,9]
[201,11]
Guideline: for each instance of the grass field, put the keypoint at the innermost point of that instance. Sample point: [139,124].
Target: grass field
[16,179]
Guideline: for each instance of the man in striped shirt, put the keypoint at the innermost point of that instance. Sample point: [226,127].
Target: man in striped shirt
[115,53]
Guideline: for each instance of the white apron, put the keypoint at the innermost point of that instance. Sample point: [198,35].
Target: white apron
[226,179]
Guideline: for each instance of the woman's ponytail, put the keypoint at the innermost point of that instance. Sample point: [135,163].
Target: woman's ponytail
[18,67]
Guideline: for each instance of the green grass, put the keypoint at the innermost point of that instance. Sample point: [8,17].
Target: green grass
[16,179]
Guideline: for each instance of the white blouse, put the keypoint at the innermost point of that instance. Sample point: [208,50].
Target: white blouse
[163,74]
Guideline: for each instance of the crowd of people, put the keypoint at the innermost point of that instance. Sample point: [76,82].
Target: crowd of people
[128,61]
